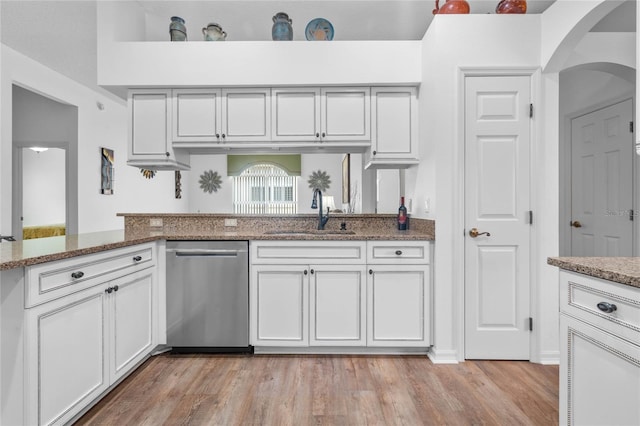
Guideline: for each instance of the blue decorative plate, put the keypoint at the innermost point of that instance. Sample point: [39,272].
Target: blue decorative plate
[319,29]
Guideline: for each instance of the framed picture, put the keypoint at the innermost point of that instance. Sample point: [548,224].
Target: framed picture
[106,171]
[346,179]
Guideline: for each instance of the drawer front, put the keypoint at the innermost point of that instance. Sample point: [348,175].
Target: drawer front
[305,252]
[398,252]
[51,280]
[611,306]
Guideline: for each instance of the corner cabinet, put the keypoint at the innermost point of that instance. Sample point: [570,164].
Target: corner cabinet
[307,294]
[87,323]
[149,133]
[600,351]
[394,141]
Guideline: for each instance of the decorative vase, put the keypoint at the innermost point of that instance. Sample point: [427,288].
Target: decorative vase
[452,7]
[512,6]
[282,29]
[213,32]
[177,29]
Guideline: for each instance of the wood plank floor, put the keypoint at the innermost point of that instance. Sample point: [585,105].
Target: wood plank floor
[329,390]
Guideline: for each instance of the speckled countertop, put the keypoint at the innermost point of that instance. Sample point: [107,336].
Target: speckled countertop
[623,270]
[30,252]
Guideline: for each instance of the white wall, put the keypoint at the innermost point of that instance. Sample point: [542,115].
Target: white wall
[44,187]
[96,128]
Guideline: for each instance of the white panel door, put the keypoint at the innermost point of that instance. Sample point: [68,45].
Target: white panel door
[196,115]
[246,115]
[497,158]
[131,301]
[601,182]
[280,300]
[397,305]
[337,314]
[295,114]
[346,114]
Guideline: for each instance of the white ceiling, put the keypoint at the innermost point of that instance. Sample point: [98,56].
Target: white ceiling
[61,34]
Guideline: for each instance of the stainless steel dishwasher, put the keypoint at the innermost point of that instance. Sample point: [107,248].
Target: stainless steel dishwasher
[208,296]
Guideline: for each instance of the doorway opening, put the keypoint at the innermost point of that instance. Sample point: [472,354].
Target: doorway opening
[44,180]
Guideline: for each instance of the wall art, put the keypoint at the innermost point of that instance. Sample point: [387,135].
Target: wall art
[320,180]
[149,174]
[178,178]
[210,181]
[106,171]
[346,179]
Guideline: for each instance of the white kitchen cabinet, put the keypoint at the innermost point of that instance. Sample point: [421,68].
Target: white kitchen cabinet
[337,116]
[223,118]
[394,141]
[150,145]
[280,298]
[398,305]
[599,351]
[337,305]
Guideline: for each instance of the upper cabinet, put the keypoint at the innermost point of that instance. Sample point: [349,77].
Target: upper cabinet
[394,142]
[221,117]
[337,116]
[150,144]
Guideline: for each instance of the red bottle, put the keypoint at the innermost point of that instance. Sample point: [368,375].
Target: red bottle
[403,219]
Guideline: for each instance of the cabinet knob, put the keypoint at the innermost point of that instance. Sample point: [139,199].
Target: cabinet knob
[324,134]
[167,154]
[313,272]
[76,275]
[607,307]
[370,271]
[109,290]
[218,135]
[224,136]
[374,152]
[115,288]
[137,258]
[398,252]
[306,272]
[317,135]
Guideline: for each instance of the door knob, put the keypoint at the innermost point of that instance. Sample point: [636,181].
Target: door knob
[575,224]
[473,233]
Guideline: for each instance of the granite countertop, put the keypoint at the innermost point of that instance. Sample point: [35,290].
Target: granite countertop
[623,270]
[31,252]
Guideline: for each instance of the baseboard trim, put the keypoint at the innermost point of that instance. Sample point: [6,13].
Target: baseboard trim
[443,357]
[549,358]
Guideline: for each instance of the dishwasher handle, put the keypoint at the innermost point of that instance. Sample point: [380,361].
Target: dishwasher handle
[206,252]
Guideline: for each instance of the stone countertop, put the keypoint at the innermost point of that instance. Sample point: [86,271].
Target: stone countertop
[623,270]
[31,252]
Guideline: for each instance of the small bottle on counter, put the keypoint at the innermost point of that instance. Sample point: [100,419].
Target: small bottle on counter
[403,219]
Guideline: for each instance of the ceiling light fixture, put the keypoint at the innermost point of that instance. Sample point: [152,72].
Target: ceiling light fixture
[38,149]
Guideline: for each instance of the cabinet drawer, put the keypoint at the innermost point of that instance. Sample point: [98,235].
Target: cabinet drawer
[398,252]
[588,298]
[51,280]
[306,252]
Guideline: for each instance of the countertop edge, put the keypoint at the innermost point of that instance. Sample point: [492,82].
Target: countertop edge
[622,270]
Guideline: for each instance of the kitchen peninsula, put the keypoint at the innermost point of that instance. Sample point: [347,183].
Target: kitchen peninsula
[599,327]
[93,306]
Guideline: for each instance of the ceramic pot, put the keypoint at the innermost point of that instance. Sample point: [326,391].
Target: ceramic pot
[213,32]
[282,29]
[452,7]
[512,6]
[177,29]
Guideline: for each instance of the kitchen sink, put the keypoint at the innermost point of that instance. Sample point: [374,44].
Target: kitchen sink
[311,232]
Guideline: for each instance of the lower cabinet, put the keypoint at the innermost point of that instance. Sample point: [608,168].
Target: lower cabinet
[398,306]
[309,305]
[79,345]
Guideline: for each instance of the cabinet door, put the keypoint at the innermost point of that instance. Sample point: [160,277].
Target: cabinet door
[246,115]
[279,301]
[599,376]
[131,331]
[397,301]
[346,114]
[196,115]
[295,114]
[337,301]
[65,353]
[395,124]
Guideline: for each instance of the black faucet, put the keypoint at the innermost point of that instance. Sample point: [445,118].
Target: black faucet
[322,220]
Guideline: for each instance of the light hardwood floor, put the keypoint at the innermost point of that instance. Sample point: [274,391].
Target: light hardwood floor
[329,390]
